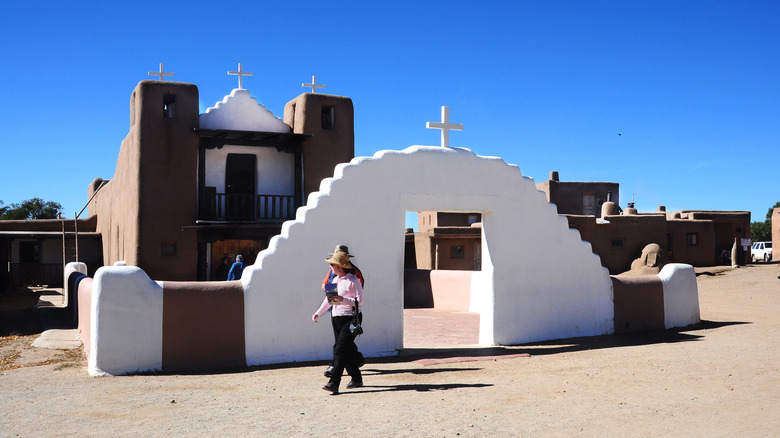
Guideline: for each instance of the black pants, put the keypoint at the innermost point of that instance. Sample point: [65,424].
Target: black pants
[345,352]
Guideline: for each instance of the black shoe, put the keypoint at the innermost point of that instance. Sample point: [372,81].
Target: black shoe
[354,384]
[332,387]
[329,371]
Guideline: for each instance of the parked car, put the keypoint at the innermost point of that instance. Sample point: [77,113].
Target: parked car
[761,251]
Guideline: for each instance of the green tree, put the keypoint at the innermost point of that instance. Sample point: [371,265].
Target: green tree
[762,231]
[35,208]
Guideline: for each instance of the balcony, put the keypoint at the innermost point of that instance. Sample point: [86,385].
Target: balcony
[250,208]
[36,274]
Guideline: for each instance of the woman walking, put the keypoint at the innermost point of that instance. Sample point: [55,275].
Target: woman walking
[349,293]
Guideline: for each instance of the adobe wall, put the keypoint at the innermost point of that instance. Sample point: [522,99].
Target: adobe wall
[85,225]
[444,258]
[775,233]
[193,325]
[635,231]
[423,250]
[443,290]
[701,254]
[728,226]
[327,147]
[656,302]
[164,150]
[568,195]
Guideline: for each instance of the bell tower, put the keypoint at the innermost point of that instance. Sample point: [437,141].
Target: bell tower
[330,121]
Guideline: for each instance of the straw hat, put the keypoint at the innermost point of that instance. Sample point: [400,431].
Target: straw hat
[341,248]
[340,258]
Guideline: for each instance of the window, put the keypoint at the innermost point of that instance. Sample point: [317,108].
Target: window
[456,252]
[617,243]
[692,239]
[168,249]
[29,252]
[169,106]
[328,117]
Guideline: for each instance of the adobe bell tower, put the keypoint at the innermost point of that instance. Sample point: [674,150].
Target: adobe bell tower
[330,120]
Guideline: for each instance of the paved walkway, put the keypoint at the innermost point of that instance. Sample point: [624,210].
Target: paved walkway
[432,328]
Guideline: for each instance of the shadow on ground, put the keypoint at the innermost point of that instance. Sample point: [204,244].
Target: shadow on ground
[34,321]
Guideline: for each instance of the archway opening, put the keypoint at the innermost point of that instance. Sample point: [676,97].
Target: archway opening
[442,253]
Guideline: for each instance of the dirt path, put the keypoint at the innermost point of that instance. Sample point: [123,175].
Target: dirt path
[718,379]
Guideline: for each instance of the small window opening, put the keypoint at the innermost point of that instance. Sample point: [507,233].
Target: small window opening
[328,117]
[456,252]
[692,239]
[169,106]
[617,243]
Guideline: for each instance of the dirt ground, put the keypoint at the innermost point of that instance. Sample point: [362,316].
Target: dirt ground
[719,378]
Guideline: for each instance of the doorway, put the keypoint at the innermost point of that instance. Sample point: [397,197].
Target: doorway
[240,185]
[437,295]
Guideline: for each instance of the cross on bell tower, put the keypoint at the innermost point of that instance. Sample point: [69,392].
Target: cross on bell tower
[313,84]
[240,75]
[161,74]
[445,126]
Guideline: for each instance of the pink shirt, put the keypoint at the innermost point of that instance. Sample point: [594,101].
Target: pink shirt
[348,287]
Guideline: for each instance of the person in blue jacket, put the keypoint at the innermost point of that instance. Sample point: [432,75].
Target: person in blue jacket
[236,269]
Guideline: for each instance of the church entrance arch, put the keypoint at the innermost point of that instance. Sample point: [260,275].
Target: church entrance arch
[520,294]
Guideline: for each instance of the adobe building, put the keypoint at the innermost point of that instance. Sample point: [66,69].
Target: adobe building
[617,236]
[775,230]
[191,189]
[581,198]
[448,241]
[34,252]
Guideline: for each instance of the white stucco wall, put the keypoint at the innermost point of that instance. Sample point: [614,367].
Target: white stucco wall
[681,295]
[241,112]
[275,170]
[539,279]
[126,324]
[69,268]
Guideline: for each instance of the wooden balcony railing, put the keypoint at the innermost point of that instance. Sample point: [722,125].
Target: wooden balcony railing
[36,274]
[221,206]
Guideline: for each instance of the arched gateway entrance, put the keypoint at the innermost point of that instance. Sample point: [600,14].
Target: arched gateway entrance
[539,280]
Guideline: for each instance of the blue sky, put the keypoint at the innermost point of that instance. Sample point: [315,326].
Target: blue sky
[679,102]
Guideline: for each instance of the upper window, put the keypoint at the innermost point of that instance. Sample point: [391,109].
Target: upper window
[692,239]
[328,117]
[456,252]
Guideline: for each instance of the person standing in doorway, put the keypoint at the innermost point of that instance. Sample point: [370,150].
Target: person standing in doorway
[237,269]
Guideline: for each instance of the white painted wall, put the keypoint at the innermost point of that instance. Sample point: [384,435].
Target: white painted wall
[70,268]
[525,297]
[241,112]
[126,324]
[681,295]
[275,170]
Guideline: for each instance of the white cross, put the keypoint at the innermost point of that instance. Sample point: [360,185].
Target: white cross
[313,84]
[160,73]
[445,126]
[240,75]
